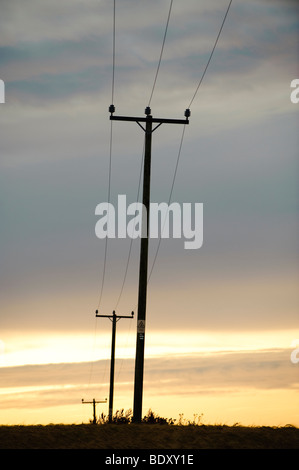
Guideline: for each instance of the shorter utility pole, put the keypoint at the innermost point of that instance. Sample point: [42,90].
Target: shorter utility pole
[114,319]
[93,402]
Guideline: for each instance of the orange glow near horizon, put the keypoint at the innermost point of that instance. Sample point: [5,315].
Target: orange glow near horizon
[21,349]
[219,402]
[247,407]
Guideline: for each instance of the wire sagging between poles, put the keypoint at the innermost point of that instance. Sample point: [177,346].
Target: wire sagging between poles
[113,55]
[211,55]
[162,49]
[184,128]
[110,152]
[140,176]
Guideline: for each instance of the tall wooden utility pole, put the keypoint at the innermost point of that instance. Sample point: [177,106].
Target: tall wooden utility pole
[114,318]
[142,292]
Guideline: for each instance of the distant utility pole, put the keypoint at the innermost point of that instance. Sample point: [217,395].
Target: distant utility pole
[93,402]
[142,292]
[114,319]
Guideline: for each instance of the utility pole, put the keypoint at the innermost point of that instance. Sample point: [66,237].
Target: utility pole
[114,319]
[93,402]
[143,268]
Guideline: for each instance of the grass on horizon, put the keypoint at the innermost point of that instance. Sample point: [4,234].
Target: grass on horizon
[153,433]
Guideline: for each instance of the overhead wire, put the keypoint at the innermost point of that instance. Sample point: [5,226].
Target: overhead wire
[169,199]
[180,146]
[140,175]
[113,55]
[108,195]
[211,55]
[110,154]
[161,53]
[141,167]
[131,241]
[184,128]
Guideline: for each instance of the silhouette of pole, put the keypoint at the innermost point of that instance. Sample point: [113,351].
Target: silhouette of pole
[142,290]
[114,318]
[93,402]
[143,263]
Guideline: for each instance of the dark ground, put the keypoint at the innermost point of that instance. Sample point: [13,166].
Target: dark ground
[147,436]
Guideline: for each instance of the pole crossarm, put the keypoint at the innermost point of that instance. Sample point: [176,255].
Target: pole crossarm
[118,317]
[149,118]
[94,401]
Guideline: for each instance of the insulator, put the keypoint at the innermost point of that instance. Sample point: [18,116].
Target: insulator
[187,113]
[147,111]
[111,109]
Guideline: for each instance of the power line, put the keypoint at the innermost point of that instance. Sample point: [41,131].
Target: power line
[111,109]
[162,49]
[211,55]
[151,96]
[109,195]
[92,355]
[184,128]
[131,242]
[110,152]
[169,199]
[113,54]
[128,260]
[182,137]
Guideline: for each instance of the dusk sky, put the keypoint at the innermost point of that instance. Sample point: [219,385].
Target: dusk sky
[222,320]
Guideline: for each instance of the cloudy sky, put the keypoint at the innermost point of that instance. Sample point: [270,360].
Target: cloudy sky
[221,320]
